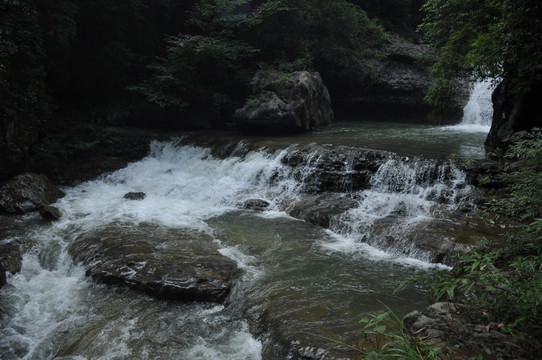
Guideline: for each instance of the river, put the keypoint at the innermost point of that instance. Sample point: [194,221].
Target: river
[299,284]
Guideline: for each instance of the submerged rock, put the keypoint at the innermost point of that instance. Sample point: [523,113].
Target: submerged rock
[27,192]
[167,263]
[286,102]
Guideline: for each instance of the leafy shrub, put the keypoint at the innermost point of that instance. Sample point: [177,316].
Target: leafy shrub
[196,69]
[524,150]
[390,339]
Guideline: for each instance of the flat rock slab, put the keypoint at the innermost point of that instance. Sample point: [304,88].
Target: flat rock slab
[174,264]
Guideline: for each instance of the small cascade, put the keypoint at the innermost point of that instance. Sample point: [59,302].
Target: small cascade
[478,112]
[401,210]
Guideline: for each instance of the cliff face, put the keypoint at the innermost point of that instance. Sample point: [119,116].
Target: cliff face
[393,84]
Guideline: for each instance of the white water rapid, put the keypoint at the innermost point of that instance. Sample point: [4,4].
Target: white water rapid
[51,310]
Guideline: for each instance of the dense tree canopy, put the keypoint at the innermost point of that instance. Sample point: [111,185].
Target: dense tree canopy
[227,41]
[69,56]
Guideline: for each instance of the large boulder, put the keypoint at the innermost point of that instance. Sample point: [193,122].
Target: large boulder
[284,103]
[167,263]
[27,192]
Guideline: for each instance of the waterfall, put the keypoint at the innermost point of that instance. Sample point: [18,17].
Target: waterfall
[478,112]
[400,210]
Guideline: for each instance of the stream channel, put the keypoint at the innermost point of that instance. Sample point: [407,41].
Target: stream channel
[298,284]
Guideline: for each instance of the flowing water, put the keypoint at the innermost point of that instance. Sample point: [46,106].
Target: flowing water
[299,283]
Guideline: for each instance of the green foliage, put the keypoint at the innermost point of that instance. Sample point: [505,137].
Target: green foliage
[389,339]
[320,33]
[196,69]
[524,201]
[384,336]
[467,35]
[227,41]
[401,16]
[503,282]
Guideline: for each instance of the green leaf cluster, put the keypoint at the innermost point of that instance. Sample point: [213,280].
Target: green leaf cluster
[524,183]
[196,69]
[390,339]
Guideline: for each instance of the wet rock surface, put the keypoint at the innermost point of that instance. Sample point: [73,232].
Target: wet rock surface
[50,213]
[134,196]
[109,149]
[11,254]
[328,168]
[284,103]
[173,263]
[27,192]
[320,209]
[256,204]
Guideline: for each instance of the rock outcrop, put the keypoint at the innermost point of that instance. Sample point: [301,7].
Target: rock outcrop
[27,192]
[513,113]
[392,85]
[50,213]
[166,263]
[11,254]
[445,325]
[284,103]
[328,168]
